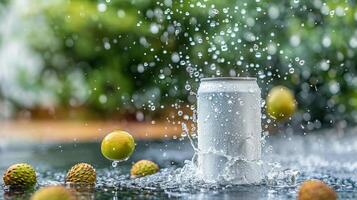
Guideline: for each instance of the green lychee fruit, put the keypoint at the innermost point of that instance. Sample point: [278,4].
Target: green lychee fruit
[118,145]
[281,103]
[143,168]
[81,173]
[316,190]
[53,193]
[20,176]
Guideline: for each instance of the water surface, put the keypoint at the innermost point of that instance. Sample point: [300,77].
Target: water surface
[288,160]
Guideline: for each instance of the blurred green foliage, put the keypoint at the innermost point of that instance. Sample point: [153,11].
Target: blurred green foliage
[149,55]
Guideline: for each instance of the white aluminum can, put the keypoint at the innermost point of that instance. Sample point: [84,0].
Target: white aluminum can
[229,130]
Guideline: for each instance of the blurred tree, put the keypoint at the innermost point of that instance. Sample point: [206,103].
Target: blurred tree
[139,55]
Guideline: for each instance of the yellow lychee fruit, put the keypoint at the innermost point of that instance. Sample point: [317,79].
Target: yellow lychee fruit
[281,103]
[118,145]
[20,176]
[53,193]
[143,168]
[81,173]
[316,190]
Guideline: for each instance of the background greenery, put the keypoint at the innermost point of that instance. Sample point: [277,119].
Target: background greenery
[147,56]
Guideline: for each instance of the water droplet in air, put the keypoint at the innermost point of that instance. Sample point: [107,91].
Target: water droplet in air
[175,57]
[154,28]
[102,7]
[161,76]
[291,70]
[213,67]
[187,87]
[115,164]
[224,48]
[255,47]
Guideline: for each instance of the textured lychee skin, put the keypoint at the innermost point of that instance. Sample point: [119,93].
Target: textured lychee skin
[81,173]
[53,193]
[143,168]
[316,190]
[20,176]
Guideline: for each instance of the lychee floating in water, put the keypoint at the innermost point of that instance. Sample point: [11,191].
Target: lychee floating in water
[143,168]
[316,190]
[53,193]
[20,176]
[281,103]
[81,173]
[118,145]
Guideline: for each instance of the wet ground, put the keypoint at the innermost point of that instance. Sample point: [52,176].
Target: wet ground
[288,161]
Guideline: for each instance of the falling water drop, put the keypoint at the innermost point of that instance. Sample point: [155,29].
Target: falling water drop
[187,87]
[291,70]
[161,76]
[115,163]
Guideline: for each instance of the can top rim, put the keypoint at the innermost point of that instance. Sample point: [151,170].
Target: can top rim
[229,79]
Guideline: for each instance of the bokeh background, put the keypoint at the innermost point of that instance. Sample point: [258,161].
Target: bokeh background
[141,60]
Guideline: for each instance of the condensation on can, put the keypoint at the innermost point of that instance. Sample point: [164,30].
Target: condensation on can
[229,130]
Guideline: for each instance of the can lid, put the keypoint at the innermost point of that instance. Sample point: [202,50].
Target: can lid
[229,79]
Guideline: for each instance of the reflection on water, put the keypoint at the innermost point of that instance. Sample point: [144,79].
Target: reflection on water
[291,161]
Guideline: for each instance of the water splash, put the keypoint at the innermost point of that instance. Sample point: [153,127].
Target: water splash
[189,136]
[274,174]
